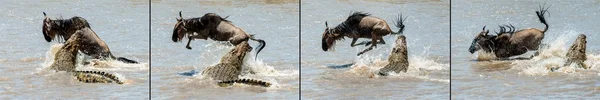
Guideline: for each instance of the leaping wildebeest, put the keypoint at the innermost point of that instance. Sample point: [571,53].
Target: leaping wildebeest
[360,25]
[214,27]
[507,43]
[93,45]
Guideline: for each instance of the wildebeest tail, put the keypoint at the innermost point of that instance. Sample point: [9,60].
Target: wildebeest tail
[96,77]
[261,45]
[540,14]
[246,81]
[399,24]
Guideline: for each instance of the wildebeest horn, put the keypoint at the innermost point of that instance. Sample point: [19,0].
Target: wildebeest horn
[513,27]
[326,25]
[483,28]
[44,14]
[502,29]
[180,15]
[486,32]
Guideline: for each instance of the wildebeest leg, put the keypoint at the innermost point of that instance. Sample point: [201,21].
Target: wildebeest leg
[188,44]
[366,43]
[381,41]
[369,42]
[373,38]
[353,42]
[192,38]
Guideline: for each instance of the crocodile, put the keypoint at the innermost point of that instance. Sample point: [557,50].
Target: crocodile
[65,59]
[576,53]
[398,58]
[64,28]
[229,68]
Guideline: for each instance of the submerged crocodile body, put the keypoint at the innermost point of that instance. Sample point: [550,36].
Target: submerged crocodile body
[65,60]
[398,59]
[229,68]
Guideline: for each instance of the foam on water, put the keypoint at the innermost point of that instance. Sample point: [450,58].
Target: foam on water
[101,65]
[553,55]
[484,56]
[252,69]
[419,67]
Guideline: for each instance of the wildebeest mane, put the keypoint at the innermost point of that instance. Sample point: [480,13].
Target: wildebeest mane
[62,27]
[506,29]
[351,23]
[75,22]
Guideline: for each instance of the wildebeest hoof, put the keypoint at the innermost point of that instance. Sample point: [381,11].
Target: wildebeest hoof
[359,54]
[189,47]
[367,44]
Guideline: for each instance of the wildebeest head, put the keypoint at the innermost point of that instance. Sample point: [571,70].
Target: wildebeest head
[50,28]
[179,30]
[329,37]
[482,41]
[62,27]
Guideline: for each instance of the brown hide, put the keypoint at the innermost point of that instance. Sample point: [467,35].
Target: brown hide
[93,45]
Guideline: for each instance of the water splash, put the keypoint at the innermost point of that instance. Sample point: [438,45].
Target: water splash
[553,55]
[254,69]
[419,67]
[94,64]
[485,56]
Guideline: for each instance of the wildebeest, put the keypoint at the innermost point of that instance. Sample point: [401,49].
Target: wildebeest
[64,28]
[360,25]
[507,43]
[211,26]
